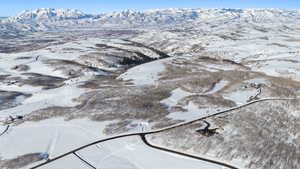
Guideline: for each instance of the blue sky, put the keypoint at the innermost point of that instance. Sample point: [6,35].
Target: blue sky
[11,7]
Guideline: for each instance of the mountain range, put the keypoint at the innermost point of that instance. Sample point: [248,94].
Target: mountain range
[44,19]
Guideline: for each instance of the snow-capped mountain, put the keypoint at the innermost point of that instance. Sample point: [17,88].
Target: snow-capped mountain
[45,19]
[48,19]
[48,14]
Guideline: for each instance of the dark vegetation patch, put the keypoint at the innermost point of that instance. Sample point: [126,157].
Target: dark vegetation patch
[221,61]
[134,58]
[283,87]
[46,81]
[199,84]
[162,54]
[8,99]
[24,58]
[208,101]
[71,68]
[278,45]
[21,68]
[103,81]
[20,161]
[21,48]
[3,77]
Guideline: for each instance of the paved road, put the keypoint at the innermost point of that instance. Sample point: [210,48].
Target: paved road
[143,136]
[5,130]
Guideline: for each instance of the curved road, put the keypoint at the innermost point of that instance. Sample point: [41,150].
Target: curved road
[143,136]
[4,131]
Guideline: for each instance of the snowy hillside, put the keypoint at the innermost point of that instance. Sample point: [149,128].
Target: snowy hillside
[222,85]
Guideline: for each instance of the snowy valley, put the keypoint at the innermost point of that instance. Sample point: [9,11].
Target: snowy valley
[221,85]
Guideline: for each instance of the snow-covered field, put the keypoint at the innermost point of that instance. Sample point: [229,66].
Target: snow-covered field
[146,74]
[129,153]
[53,136]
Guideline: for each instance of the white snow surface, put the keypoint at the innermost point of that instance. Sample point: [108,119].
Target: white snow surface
[176,96]
[70,162]
[132,153]
[54,136]
[62,96]
[192,112]
[145,74]
[240,97]
[218,87]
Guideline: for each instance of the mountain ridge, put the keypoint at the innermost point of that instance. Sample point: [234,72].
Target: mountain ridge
[43,19]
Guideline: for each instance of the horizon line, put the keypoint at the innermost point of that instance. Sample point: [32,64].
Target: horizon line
[139,10]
